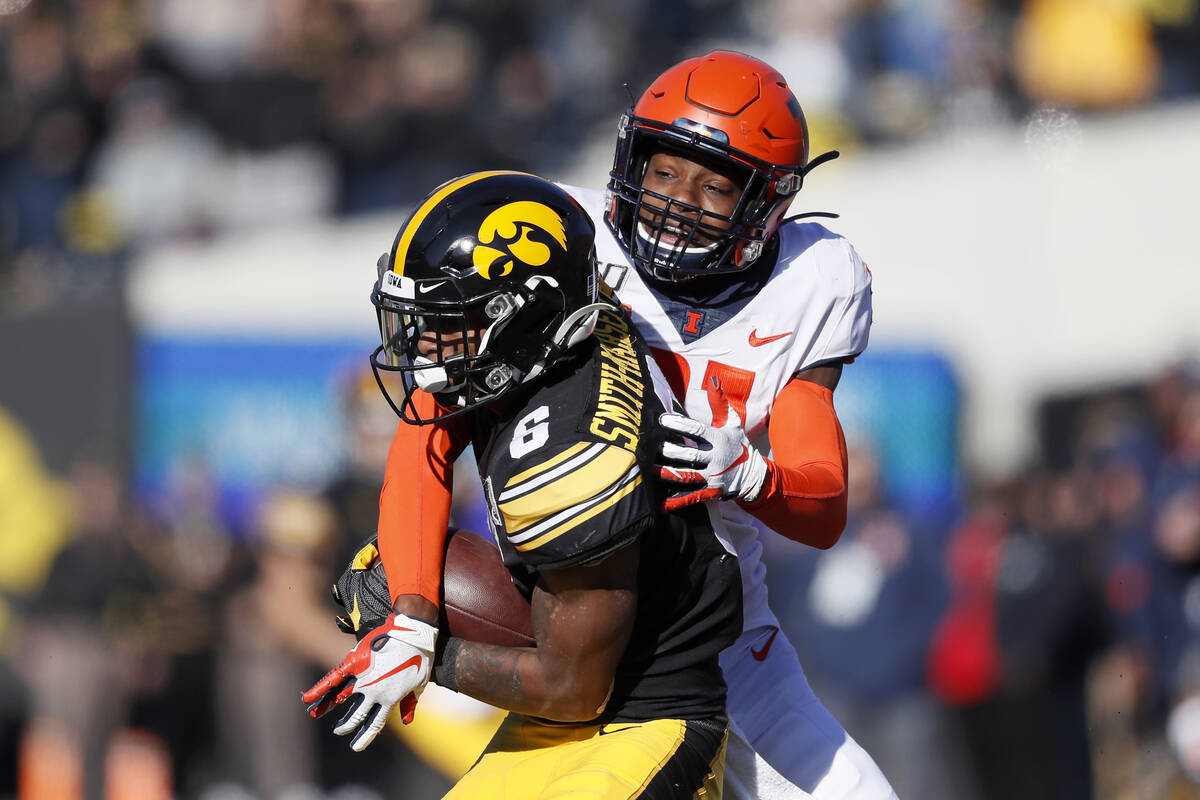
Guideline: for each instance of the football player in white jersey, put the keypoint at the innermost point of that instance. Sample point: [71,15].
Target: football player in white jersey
[752,316]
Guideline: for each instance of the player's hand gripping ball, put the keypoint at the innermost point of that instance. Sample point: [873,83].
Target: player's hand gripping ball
[479,601]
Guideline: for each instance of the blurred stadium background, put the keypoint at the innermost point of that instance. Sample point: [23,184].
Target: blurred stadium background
[192,199]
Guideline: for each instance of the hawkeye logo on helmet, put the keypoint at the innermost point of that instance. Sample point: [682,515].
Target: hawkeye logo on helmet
[504,237]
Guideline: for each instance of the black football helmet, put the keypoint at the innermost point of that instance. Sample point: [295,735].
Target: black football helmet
[489,283]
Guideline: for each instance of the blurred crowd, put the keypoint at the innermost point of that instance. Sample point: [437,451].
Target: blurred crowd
[152,651]
[1045,643]
[124,123]
[1042,644]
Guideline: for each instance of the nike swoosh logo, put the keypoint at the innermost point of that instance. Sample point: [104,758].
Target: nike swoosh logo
[618,730]
[756,341]
[415,661]
[355,614]
[761,655]
[428,287]
[745,454]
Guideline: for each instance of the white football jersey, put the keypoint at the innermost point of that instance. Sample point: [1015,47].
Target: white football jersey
[815,308]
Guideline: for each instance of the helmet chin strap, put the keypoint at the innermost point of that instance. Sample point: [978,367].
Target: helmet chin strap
[436,381]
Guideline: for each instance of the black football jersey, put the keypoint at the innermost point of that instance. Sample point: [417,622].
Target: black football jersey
[566,471]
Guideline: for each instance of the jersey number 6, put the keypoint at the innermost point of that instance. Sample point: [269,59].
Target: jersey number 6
[531,432]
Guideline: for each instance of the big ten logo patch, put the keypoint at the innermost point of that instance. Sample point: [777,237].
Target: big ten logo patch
[613,275]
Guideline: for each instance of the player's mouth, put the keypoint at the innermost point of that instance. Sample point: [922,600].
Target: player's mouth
[675,236]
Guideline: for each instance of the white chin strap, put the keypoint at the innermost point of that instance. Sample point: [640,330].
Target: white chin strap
[430,378]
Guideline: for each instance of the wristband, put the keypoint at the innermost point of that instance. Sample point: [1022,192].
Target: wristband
[444,660]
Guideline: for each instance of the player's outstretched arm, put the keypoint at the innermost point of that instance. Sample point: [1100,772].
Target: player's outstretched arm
[582,618]
[392,663]
[803,495]
[414,508]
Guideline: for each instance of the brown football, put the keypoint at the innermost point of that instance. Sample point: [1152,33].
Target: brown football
[480,602]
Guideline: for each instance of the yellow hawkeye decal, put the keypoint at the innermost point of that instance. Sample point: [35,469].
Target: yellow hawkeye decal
[512,224]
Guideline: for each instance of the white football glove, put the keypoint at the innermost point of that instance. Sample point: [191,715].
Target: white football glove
[390,665]
[720,462]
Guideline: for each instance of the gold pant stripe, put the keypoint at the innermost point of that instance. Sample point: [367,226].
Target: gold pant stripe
[714,781]
[530,761]
[674,749]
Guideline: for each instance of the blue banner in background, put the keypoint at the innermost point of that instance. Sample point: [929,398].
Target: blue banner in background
[906,404]
[251,414]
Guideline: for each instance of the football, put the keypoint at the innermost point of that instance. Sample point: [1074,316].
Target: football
[480,603]
[479,600]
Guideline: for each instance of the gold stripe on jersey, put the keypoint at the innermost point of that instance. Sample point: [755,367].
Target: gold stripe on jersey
[618,415]
[589,480]
[589,452]
[439,194]
[538,469]
[576,514]
[582,517]
[513,491]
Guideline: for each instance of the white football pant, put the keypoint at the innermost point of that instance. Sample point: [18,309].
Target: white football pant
[783,744]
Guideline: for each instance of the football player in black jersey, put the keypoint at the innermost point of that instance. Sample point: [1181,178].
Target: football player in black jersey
[493,320]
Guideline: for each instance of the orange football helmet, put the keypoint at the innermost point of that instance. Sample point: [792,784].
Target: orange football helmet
[724,108]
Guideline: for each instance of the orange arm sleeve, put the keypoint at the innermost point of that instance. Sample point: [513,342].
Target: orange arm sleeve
[414,505]
[804,494]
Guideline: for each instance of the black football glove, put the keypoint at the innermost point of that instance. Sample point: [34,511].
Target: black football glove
[362,592]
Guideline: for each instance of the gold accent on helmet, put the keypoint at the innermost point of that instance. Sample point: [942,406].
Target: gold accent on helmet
[432,202]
